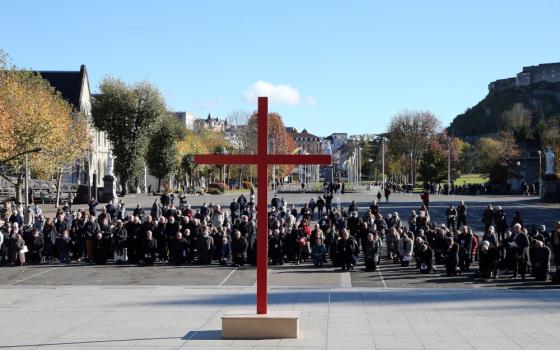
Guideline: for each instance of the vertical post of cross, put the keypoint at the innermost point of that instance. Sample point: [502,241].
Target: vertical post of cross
[262,208]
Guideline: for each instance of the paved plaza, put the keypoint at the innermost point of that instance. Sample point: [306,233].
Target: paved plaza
[168,307]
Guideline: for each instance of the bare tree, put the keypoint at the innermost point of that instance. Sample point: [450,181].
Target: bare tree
[238,118]
[410,133]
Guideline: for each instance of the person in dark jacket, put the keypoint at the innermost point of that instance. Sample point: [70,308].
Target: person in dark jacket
[465,241]
[371,248]
[487,217]
[488,260]
[63,244]
[426,258]
[119,243]
[205,247]
[541,261]
[451,257]
[500,222]
[101,249]
[346,251]
[239,249]
[35,247]
[224,256]
[91,229]
[178,249]
[451,214]
[520,249]
[150,249]
[461,214]
[275,245]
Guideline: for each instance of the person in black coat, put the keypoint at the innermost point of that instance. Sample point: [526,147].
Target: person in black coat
[275,248]
[35,247]
[224,254]
[346,251]
[239,247]
[451,257]
[465,241]
[118,242]
[520,249]
[500,222]
[178,249]
[101,249]
[541,261]
[150,249]
[205,247]
[426,258]
[371,247]
[488,260]
[63,244]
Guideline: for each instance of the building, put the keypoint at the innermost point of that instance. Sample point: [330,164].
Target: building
[307,144]
[212,124]
[338,140]
[186,118]
[74,88]
[530,75]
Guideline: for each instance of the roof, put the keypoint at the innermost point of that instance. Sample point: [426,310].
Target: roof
[304,133]
[68,83]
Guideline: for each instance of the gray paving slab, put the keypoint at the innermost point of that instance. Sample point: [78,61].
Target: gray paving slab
[174,317]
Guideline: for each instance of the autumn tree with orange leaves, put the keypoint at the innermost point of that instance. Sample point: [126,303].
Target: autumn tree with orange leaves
[33,116]
[280,141]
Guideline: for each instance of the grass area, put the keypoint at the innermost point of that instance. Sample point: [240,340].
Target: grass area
[471,179]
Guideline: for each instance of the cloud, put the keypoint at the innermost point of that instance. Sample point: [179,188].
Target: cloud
[279,94]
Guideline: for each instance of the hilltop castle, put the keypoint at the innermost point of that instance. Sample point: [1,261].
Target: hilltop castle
[547,72]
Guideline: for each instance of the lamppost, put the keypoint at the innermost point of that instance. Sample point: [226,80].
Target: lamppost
[411,171]
[448,168]
[540,177]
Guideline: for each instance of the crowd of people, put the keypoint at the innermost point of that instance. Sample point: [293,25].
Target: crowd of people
[317,232]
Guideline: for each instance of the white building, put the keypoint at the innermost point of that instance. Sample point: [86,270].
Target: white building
[74,87]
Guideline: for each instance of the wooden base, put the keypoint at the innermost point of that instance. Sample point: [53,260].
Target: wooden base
[274,325]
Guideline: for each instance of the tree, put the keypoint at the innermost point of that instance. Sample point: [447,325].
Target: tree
[162,156]
[436,162]
[516,118]
[280,141]
[495,155]
[32,116]
[411,132]
[127,113]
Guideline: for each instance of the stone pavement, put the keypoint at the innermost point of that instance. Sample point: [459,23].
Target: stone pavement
[170,317]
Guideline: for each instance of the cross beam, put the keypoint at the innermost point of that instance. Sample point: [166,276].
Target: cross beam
[262,159]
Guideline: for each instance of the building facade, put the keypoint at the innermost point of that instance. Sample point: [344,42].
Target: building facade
[546,72]
[212,124]
[74,88]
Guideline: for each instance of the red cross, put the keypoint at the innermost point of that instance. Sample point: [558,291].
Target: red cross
[262,159]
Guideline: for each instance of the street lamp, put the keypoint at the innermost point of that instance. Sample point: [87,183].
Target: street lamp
[448,168]
[540,177]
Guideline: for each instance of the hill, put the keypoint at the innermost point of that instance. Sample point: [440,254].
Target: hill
[542,100]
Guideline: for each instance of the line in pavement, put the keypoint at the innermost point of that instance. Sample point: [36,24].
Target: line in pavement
[345,280]
[227,277]
[381,276]
[32,276]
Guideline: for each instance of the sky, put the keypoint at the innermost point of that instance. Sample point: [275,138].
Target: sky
[327,66]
